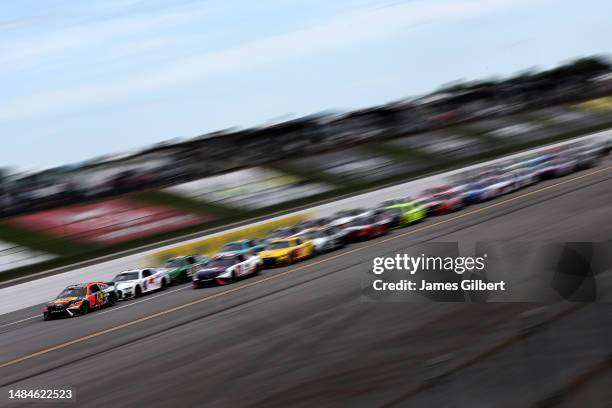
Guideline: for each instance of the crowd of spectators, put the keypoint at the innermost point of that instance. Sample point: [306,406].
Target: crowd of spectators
[216,153]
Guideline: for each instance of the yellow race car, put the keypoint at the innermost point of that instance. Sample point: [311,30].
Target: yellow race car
[286,251]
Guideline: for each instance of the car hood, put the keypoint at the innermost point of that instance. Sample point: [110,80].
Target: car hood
[125,284]
[64,301]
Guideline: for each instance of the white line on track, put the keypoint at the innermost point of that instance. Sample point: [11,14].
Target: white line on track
[166,292]
[19,321]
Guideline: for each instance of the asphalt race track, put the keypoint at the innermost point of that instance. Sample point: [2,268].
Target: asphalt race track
[302,336]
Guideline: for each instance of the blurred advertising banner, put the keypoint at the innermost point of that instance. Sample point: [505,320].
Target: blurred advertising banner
[108,222]
[250,188]
[492,272]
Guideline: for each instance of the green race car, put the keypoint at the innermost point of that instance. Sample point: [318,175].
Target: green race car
[405,213]
[181,268]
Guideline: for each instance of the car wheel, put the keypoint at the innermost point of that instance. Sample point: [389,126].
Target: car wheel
[85,307]
[137,292]
[46,316]
[183,277]
[163,284]
[112,299]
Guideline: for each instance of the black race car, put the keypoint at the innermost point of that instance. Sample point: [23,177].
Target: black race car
[80,299]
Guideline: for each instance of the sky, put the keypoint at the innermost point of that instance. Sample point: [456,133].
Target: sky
[80,80]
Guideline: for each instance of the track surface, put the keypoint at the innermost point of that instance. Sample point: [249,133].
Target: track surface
[301,336]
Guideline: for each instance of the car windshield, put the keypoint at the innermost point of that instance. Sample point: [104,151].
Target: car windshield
[425,200]
[357,222]
[173,263]
[126,276]
[221,262]
[314,234]
[233,246]
[278,245]
[393,212]
[278,234]
[72,292]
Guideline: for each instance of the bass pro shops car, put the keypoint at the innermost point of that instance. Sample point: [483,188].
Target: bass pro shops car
[80,299]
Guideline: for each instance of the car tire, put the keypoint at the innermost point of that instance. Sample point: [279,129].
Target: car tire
[164,284]
[85,307]
[137,292]
[112,299]
[183,277]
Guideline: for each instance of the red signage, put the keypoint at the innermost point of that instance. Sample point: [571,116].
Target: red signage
[109,221]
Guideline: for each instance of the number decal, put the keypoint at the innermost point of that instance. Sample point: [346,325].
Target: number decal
[100,297]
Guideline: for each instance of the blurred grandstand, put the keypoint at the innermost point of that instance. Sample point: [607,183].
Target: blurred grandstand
[330,139]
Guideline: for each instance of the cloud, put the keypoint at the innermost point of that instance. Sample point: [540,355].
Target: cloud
[52,43]
[343,31]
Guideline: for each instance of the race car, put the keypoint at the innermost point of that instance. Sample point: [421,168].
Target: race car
[181,268]
[286,251]
[342,218]
[559,165]
[245,247]
[226,268]
[324,239]
[405,213]
[367,227]
[136,282]
[440,203]
[80,299]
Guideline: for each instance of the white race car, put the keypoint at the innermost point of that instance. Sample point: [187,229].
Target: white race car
[226,268]
[324,239]
[136,282]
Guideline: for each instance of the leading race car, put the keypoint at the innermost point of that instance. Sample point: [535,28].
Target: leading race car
[226,268]
[135,283]
[80,299]
[286,251]
[182,268]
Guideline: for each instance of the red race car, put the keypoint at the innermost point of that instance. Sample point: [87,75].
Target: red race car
[441,202]
[80,299]
[367,227]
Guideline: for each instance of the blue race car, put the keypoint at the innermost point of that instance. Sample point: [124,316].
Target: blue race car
[245,246]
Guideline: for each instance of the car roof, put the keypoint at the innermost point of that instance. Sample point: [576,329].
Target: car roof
[225,255]
[78,285]
[134,270]
[284,239]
